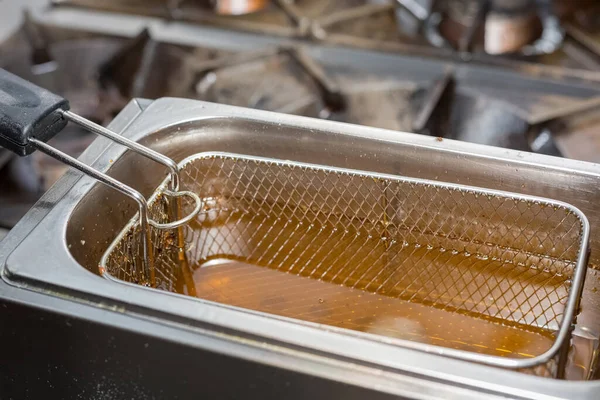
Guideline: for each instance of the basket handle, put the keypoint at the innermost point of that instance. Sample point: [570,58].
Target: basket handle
[27,111]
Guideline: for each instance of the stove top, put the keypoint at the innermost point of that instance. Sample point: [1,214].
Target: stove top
[459,69]
[553,32]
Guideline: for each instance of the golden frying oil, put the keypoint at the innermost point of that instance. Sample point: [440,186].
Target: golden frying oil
[271,291]
[343,274]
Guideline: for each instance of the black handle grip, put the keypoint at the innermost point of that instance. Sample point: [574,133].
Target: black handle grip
[27,110]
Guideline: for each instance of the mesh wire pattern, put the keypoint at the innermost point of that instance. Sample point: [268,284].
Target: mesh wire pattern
[486,254]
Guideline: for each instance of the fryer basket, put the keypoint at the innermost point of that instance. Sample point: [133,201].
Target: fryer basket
[509,259]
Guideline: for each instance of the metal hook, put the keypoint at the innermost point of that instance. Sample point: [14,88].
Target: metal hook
[144,219]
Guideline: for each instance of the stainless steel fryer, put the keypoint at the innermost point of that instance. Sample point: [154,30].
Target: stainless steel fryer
[52,256]
[506,258]
[510,259]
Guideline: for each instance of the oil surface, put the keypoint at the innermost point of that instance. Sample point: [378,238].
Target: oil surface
[262,289]
[355,276]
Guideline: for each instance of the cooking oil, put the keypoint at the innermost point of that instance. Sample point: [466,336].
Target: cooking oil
[262,289]
[367,278]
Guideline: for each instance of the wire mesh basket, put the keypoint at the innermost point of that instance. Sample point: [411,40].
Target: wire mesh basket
[488,259]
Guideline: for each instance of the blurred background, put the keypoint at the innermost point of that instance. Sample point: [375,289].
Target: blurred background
[519,74]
